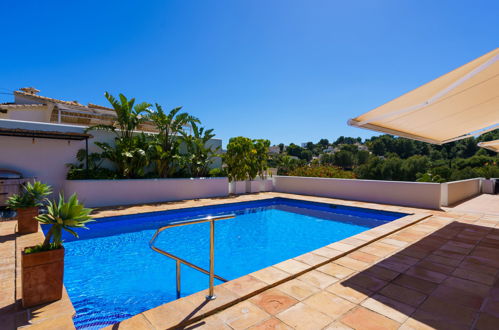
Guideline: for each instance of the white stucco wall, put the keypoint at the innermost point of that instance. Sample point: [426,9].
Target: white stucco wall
[414,194]
[458,191]
[44,159]
[95,193]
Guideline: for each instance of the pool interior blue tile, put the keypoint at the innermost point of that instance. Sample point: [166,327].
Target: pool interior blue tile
[112,274]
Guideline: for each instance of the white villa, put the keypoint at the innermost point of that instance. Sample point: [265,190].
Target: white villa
[28,105]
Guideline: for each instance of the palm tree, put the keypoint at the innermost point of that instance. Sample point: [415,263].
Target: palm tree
[128,153]
[165,151]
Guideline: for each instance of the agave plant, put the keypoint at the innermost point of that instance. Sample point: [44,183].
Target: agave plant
[31,196]
[63,215]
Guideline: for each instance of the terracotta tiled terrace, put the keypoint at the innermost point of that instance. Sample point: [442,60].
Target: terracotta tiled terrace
[429,270]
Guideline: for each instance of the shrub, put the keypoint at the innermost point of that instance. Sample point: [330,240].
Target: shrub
[217,173]
[322,172]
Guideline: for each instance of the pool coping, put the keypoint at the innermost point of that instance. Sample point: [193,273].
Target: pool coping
[190,309]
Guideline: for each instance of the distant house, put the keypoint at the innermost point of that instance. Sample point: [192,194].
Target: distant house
[275,150]
[361,146]
[29,106]
[330,150]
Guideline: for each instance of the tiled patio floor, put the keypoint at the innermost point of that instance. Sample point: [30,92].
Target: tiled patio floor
[484,203]
[441,272]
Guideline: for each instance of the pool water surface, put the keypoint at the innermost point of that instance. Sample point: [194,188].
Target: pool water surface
[111,273]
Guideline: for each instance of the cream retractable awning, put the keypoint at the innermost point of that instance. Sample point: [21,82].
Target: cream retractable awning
[459,104]
[491,145]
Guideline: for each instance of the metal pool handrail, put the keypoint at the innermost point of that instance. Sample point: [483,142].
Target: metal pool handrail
[180,261]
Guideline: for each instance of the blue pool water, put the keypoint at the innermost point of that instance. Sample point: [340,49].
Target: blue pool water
[112,274]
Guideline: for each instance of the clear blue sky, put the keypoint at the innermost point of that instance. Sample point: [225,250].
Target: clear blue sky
[289,71]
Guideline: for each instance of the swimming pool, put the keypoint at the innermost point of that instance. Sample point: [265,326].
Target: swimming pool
[112,274]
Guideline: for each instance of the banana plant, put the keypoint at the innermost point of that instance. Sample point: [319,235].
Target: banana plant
[165,149]
[128,117]
[129,153]
[199,154]
[63,215]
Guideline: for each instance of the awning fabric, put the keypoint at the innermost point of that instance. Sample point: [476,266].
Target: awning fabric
[491,145]
[459,104]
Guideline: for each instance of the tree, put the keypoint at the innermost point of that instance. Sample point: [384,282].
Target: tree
[128,153]
[260,159]
[324,143]
[306,155]
[246,158]
[344,159]
[310,146]
[199,154]
[327,159]
[362,157]
[165,149]
[415,165]
[286,164]
[378,148]
[237,158]
[294,150]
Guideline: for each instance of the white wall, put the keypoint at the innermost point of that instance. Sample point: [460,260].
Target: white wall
[96,193]
[414,194]
[253,186]
[44,159]
[457,191]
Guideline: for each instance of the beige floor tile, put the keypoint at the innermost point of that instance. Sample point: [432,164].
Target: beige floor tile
[337,325]
[318,279]
[298,289]
[271,324]
[329,304]
[270,275]
[311,259]
[273,301]
[292,266]
[169,315]
[365,319]
[328,253]
[209,323]
[243,315]
[244,285]
[352,263]
[303,317]
[336,270]
[351,293]
[387,307]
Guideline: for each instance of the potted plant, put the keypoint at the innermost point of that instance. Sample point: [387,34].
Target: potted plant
[43,265]
[26,204]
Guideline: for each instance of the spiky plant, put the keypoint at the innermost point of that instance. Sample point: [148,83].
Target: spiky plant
[32,195]
[63,215]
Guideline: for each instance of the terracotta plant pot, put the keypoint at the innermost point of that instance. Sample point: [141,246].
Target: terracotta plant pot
[42,275]
[26,222]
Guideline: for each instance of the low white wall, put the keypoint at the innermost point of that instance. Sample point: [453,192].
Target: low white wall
[488,186]
[414,194]
[253,186]
[96,193]
[457,191]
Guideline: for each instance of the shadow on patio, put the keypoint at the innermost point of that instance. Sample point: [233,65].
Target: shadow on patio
[446,280]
